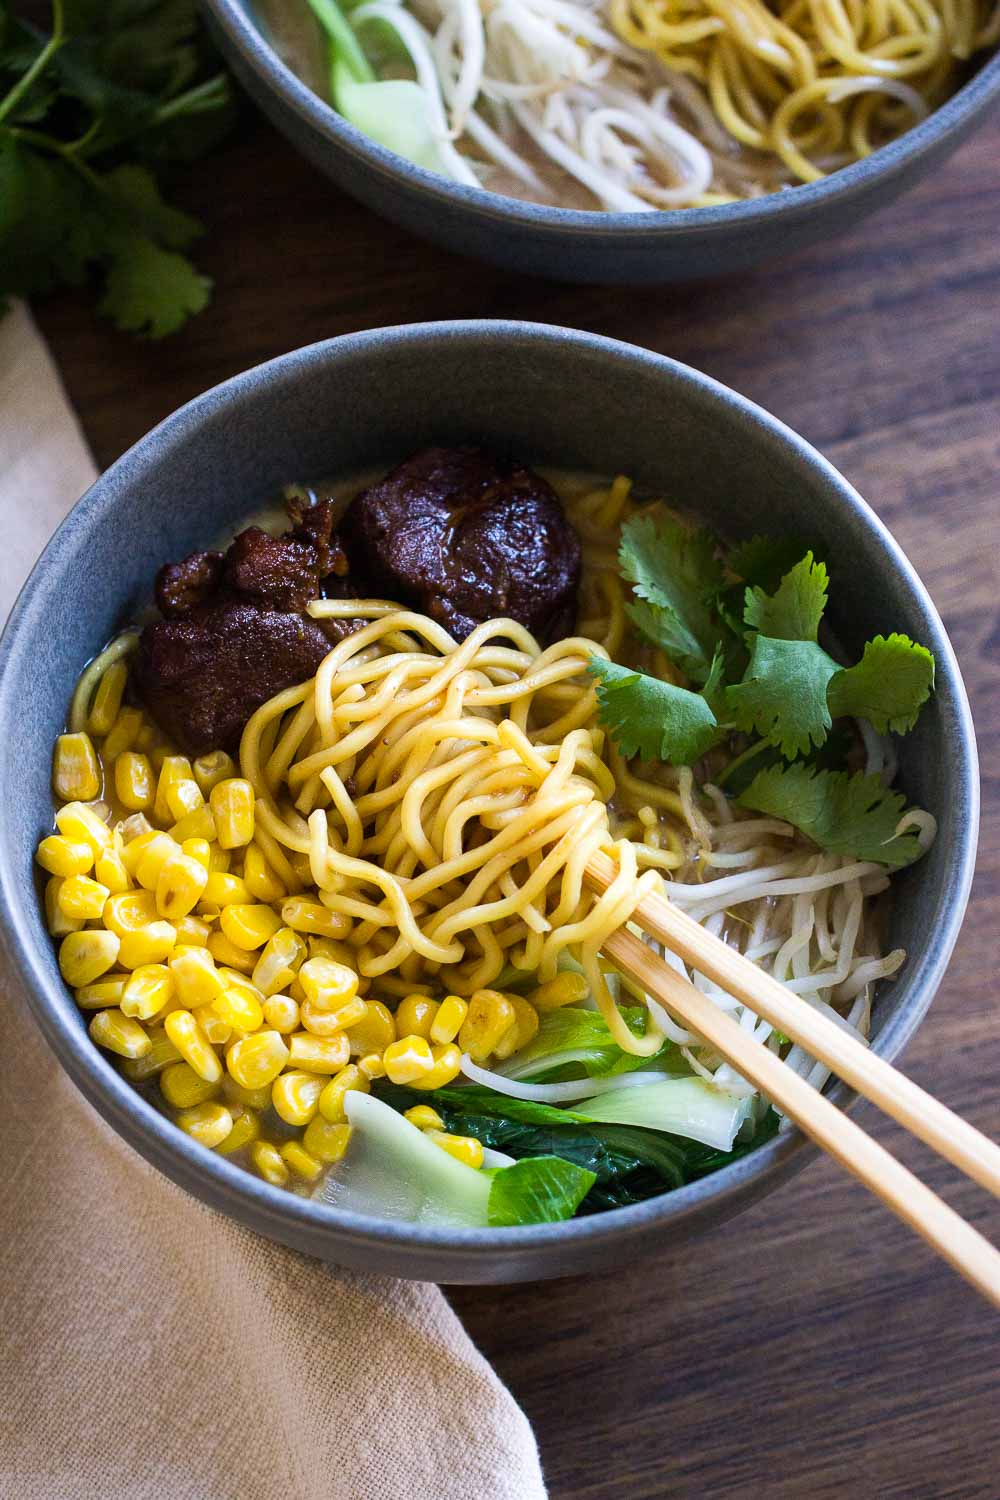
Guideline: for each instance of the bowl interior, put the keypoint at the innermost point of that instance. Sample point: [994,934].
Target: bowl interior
[545,395]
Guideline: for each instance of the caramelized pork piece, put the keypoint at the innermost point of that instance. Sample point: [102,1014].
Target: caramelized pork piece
[464,539]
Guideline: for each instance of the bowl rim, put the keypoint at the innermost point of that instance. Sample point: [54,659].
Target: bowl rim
[273,1210]
[259,57]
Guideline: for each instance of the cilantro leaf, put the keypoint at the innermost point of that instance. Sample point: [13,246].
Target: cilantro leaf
[794,610]
[763,561]
[888,686]
[675,575]
[853,815]
[150,290]
[783,694]
[650,718]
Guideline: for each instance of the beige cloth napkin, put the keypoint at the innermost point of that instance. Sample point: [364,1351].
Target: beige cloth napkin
[149,1347]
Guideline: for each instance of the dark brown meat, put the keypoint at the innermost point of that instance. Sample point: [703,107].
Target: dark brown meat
[463,539]
[203,676]
[181,586]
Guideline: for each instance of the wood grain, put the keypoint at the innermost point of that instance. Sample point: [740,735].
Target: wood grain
[812,1347]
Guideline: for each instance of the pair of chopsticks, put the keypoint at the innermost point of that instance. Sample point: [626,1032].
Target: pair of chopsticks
[927,1118]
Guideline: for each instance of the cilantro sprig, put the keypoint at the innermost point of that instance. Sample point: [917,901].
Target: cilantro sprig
[90,113]
[745,630]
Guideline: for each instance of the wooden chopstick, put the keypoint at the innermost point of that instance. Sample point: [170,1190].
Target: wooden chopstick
[957,1242]
[923,1115]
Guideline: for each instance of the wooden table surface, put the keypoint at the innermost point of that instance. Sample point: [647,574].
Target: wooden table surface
[812,1347]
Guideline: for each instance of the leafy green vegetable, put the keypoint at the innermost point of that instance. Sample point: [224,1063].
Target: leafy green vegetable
[120,88]
[538,1190]
[651,718]
[794,610]
[577,1043]
[888,686]
[675,575]
[763,561]
[783,694]
[846,814]
[679,1106]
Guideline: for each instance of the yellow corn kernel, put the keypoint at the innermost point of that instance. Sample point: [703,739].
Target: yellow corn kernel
[198,824]
[263,883]
[56,919]
[183,797]
[331,1100]
[212,768]
[327,983]
[76,774]
[447,1066]
[314,918]
[85,956]
[232,979]
[319,1054]
[135,846]
[321,947]
[219,861]
[328,1022]
[110,870]
[238,1009]
[218,1031]
[449,1019]
[107,699]
[232,804]
[123,734]
[133,827]
[102,993]
[325,1141]
[148,990]
[161,1054]
[490,1016]
[295,1097]
[423,1117]
[253,1099]
[269,1164]
[152,944]
[148,739]
[225,952]
[180,885]
[257,1060]
[249,926]
[81,824]
[118,1033]
[416,1015]
[199,849]
[63,857]
[155,854]
[408,1059]
[129,911]
[192,932]
[281,1013]
[225,890]
[174,768]
[134,782]
[81,897]
[193,1045]
[246,1129]
[301,868]
[182,1087]
[295,1155]
[373,1031]
[567,988]
[523,1030]
[464,1148]
[372,1066]
[196,978]
[208,1124]
[279,961]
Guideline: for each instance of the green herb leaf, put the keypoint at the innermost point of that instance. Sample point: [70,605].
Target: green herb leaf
[794,611]
[149,290]
[650,718]
[888,686]
[538,1190]
[676,576]
[783,694]
[853,815]
[763,561]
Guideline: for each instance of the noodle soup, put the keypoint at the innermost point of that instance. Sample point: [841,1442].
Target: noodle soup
[319,875]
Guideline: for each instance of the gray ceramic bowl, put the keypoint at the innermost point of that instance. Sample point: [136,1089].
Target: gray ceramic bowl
[545,394]
[594,247]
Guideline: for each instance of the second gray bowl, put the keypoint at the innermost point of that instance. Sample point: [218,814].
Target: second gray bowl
[339,408]
[568,245]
